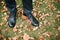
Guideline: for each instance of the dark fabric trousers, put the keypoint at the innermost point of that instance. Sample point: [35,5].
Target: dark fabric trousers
[27,5]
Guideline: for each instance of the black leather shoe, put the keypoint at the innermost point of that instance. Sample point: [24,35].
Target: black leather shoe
[11,21]
[34,21]
[12,18]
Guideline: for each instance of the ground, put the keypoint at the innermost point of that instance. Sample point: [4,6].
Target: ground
[47,12]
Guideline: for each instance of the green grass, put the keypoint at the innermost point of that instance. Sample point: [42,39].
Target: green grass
[24,26]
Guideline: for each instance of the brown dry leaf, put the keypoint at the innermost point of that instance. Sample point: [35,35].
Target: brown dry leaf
[45,22]
[47,14]
[2,37]
[34,14]
[50,6]
[31,38]
[35,28]
[33,0]
[40,38]
[53,7]
[6,30]
[15,38]
[21,25]
[2,3]
[4,9]
[15,29]
[5,14]
[29,28]
[26,37]
[59,28]
[48,34]
[58,15]
[17,6]
[38,3]
[20,31]
[51,14]
[24,17]
[9,38]
[52,0]
[58,37]
[58,1]
[44,15]
[19,12]
[49,23]
[1,24]
[28,21]
[58,11]
[5,17]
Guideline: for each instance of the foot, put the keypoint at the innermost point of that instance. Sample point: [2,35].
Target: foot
[34,21]
[11,21]
[12,18]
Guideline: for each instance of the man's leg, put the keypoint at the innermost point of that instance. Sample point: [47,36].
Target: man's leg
[27,7]
[11,6]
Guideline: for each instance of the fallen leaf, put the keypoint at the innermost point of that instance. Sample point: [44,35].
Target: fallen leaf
[15,38]
[40,38]
[26,37]
[15,29]
[24,17]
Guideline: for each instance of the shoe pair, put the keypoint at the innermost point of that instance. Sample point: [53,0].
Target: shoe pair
[12,18]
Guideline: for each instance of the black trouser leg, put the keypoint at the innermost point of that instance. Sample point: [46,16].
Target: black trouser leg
[27,7]
[11,6]
[27,4]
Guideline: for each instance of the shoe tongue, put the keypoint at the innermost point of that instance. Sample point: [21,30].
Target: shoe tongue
[26,11]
